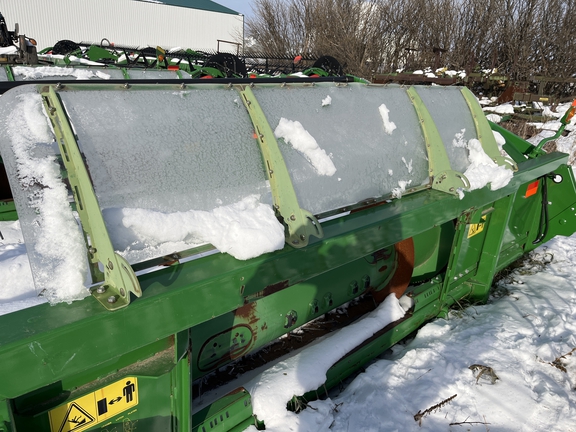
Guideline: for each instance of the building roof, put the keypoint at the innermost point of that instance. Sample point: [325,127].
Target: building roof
[207,5]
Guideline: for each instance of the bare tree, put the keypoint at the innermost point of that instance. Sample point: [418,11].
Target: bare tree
[521,38]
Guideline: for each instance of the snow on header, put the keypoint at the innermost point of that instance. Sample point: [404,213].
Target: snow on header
[34,73]
[306,371]
[399,191]
[483,170]
[59,246]
[294,134]
[245,230]
[389,126]
[327,101]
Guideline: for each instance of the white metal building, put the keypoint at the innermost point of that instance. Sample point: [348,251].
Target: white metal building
[196,24]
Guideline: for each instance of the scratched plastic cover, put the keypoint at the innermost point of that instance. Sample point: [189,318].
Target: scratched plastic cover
[370,161]
[54,241]
[162,150]
[452,117]
[167,150]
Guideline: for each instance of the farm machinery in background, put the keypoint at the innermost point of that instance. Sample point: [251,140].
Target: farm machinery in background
[397,215]
[14,47]
[196,64]
[114,61]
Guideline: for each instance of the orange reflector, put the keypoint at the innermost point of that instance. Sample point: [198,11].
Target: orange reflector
[532,189]
[314,76]
[173,67]
[160,58]
[207,77]
[297,59]
[252,76]
[254,135]
[571,112]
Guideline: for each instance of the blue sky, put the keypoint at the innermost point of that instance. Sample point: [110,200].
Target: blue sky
[241,6]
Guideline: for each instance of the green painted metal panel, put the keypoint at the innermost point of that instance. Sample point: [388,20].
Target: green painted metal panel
[232,411]
[283,309]
[8,211]
[5,416]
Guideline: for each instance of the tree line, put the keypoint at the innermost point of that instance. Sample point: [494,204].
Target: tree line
[520,38]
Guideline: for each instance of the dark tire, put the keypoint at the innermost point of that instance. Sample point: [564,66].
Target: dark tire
[64,47]
[330,65]
[229,64]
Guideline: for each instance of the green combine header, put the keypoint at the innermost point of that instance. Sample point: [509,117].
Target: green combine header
[176,228]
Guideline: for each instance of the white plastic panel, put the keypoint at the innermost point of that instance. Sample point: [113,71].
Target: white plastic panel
[166,150]
[162,151]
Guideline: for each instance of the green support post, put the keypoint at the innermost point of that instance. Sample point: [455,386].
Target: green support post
[487,266]
[181,382]
[443,177]
[5,418]
[300,224]
[484,132]
[118,277]
[9,72]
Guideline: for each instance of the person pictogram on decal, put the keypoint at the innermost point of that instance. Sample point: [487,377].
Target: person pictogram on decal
[128,391]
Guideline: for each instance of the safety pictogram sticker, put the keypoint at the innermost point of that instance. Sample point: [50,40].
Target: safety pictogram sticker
[476,228]
[96,407]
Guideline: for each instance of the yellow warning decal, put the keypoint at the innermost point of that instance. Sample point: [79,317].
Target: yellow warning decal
[476,228]
[96,407]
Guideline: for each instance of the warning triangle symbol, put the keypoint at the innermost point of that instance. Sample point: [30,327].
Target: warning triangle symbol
[76,417]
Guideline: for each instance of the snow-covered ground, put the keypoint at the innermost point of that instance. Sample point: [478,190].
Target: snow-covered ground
[505,366]
[525,334]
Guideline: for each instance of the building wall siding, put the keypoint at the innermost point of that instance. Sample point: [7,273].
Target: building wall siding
[125,22]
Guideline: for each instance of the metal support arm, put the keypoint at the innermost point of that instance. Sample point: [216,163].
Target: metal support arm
[117,277]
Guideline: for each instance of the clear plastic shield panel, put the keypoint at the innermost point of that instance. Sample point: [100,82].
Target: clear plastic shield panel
[54,241]
[167,150]
[163,161]
[453,120]
[3,75]
[160,161]
[370,133]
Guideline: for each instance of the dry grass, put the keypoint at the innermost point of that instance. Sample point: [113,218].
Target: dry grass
[421,414]
[520,128]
